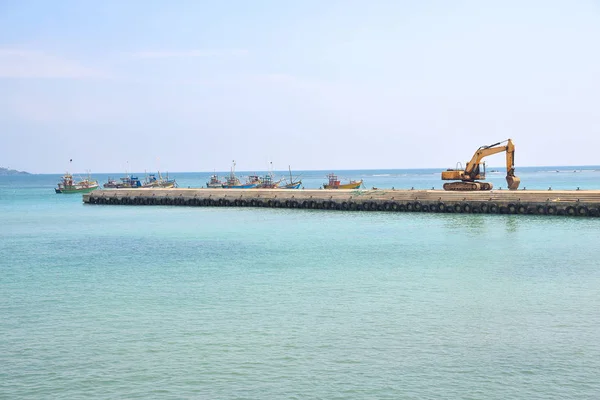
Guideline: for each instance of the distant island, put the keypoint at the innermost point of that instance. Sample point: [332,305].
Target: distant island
[6,172]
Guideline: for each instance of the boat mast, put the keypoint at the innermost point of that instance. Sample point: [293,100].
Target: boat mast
[231,180]
[158,165]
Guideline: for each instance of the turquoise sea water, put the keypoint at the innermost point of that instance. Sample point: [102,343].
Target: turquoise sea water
[226,303]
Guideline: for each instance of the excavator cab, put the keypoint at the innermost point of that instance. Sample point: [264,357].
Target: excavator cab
[478,171]
[459,173]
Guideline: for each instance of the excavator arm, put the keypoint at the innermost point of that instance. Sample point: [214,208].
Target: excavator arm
[512,180]
[480,154]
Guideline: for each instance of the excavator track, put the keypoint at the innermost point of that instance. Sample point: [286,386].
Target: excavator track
[468,186]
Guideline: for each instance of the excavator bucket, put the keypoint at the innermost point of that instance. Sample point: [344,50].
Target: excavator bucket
[513,182]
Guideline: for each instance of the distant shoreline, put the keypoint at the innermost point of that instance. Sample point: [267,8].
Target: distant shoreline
[7,172]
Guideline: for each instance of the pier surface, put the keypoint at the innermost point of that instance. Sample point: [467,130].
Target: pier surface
[538,202]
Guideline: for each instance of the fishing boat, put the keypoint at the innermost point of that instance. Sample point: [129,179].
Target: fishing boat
[214,183]
[292,184]
[127,182]
[232,181]
[267,182]
[68,185]
[152,181]
[111,184]
[334,183]
[253,180]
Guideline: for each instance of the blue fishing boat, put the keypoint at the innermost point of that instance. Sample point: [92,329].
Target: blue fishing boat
[292,184]
[238,185]
[127,182]
[232,181]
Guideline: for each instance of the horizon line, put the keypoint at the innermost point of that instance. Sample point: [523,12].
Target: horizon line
[315,170]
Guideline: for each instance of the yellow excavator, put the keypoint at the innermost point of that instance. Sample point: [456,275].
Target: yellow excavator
[475,170]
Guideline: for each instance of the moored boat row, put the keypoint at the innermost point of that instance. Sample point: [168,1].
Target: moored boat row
[253,181]
[68,185]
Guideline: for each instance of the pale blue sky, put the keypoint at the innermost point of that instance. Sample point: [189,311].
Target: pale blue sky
[316,84]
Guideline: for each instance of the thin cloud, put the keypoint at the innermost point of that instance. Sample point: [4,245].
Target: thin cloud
[22,64]
[191,53]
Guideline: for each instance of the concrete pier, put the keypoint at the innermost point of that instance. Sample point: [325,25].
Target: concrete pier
[581,203]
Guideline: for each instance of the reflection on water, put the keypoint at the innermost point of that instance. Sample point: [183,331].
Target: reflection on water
[512,222]
[471,225]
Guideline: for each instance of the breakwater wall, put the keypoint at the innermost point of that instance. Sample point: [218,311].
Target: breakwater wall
[576,203]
